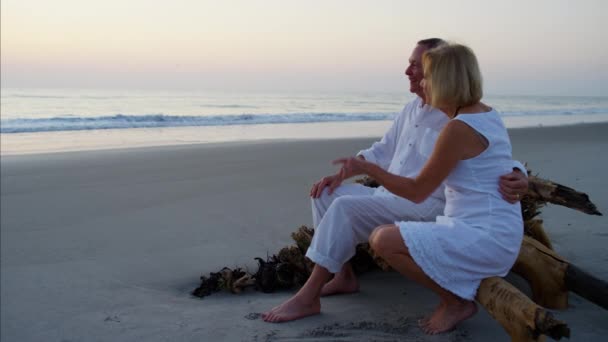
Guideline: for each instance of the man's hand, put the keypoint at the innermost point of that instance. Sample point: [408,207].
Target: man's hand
[332,182]
[513,186]
[351,166]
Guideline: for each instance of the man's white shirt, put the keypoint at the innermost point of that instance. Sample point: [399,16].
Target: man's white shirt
[408,144]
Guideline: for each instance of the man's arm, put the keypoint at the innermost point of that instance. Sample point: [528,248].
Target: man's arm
[382,152]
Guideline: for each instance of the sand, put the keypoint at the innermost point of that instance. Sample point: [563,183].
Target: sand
[107,245]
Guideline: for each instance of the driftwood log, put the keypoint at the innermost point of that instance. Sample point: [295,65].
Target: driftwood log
[549,275]
[545,191]
[521,318]
[534,229]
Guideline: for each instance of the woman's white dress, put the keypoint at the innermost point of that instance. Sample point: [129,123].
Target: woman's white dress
[479,234]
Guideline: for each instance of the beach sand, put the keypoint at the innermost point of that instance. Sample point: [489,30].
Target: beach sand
[107,245]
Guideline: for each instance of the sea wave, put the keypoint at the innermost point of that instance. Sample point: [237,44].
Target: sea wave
[122,121]
[227,106]
[553,111]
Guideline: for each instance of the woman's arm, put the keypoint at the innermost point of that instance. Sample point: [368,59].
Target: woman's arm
[455,142]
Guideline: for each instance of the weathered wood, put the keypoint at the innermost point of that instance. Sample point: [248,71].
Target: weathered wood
[521,318]
[544,270]
[551,277]
[534,229]
[543,190]
[240,284]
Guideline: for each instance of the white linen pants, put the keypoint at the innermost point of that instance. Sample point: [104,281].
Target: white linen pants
[348,216]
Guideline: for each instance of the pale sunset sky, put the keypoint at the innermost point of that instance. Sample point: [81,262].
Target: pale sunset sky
[536,47]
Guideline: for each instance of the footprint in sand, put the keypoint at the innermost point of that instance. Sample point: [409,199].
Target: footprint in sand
[403,330]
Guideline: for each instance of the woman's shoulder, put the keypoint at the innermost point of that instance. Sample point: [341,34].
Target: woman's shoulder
[479,118]
[456,129]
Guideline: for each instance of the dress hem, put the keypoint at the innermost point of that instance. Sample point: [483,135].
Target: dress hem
[425,264]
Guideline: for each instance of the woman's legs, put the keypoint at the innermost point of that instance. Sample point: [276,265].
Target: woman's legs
[306,302]
[388,243]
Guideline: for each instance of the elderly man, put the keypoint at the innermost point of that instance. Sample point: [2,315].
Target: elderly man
[345,215]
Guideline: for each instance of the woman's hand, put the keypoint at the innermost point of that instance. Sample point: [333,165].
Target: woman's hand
[352,166]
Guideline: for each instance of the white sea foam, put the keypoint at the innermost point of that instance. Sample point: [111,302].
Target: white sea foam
[121,121]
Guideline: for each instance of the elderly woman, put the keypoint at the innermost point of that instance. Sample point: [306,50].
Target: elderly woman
[479,234]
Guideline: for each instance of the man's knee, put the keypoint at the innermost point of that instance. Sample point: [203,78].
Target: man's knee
[324,200]
[386,239]
[316,203]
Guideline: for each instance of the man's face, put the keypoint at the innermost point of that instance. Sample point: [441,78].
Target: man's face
[414,70]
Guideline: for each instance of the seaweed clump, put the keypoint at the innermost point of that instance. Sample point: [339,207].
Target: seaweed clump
[286,269]
[233,280]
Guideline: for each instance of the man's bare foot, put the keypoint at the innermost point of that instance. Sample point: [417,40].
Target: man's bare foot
[294,308]
[341,284]
[446,317]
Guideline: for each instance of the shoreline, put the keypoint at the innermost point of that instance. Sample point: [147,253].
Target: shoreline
[12,144]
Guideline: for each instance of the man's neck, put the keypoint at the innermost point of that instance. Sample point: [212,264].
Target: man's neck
[421,96]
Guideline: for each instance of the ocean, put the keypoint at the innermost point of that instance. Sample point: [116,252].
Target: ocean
[219,116]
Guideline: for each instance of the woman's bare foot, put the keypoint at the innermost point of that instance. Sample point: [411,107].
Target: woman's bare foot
[342,283]
[447,316]
[294,308]
[424,321]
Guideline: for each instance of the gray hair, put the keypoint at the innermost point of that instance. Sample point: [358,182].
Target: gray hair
[431,43]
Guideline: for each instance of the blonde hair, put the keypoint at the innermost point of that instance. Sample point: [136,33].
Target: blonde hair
[453,75]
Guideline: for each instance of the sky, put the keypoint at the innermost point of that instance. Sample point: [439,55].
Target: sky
[541,47]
